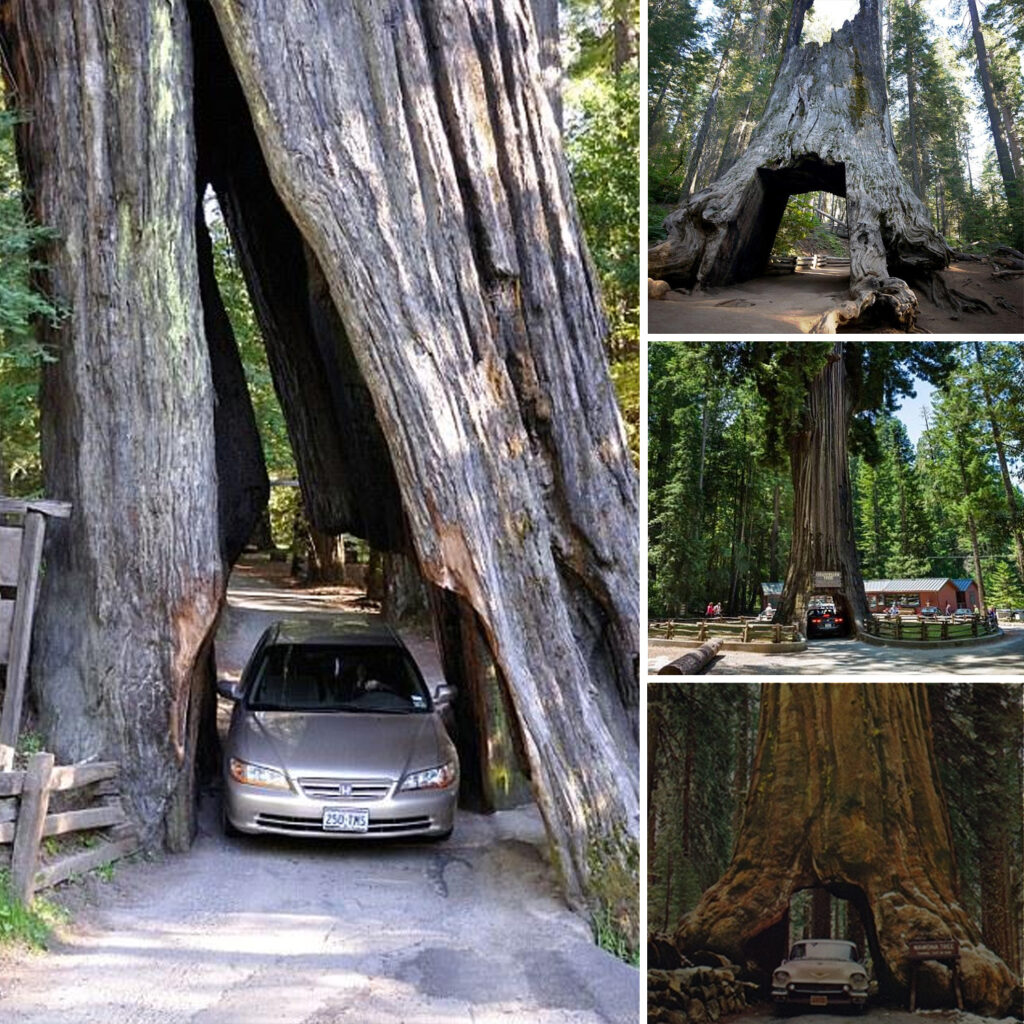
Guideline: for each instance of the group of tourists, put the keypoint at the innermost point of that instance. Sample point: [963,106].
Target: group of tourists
[713,610]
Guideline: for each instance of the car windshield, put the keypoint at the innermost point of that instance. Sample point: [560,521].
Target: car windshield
[323,677]
[822,950]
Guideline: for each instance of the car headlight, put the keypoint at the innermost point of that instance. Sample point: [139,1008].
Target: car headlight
[257,775]
[780,977]
[440,777]
[858,979]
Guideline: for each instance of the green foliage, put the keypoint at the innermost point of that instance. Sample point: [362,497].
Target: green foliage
[21,304]
[602,143]
[31,925]
[798,223]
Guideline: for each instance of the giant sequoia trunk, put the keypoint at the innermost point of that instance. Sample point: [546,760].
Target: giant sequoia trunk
[404,217]
[823,553]
[826,127]
[845,796]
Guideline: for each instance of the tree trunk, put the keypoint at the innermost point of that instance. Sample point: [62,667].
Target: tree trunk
[697,153]
[326,557]
[915,159]
[823,533]
[1008,488]
[1010,183]
[857,811]
[425,249]
[134,580]
[545,16]
[773,548]
[826,127]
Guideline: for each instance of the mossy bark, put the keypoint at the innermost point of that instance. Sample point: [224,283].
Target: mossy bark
[845,795]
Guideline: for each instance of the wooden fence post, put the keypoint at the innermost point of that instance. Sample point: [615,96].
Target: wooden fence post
[35,799]
[21,626]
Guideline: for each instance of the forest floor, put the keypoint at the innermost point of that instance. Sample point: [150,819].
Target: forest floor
[1002,656]
[792,303]
[278,931]
[763,1014]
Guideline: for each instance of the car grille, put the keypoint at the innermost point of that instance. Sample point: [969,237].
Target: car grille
[816,989]
[362,790]
[384,826]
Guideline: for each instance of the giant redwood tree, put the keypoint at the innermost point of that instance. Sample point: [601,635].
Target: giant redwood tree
[822,399]
[392,178]
[845,796]
[825,127]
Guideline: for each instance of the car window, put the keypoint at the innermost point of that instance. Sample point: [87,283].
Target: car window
[823,950]
[322,677]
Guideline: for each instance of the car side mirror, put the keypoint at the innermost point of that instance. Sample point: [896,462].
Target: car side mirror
[444,693]
[230,688]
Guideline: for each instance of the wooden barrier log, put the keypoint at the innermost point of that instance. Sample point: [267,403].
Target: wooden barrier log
[692,661]
[35,798]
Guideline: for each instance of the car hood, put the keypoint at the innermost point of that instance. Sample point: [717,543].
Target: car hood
[360,745]
[810,969]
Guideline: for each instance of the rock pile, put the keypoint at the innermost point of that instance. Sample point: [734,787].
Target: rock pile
[695,995]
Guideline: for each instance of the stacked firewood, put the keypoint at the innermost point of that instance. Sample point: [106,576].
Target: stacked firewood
[695,995]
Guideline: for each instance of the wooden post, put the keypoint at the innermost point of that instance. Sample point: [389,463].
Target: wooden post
[702,630]
[746,633]
[669,630]
[777,633]
[913,986]
[21,627]
[35,799]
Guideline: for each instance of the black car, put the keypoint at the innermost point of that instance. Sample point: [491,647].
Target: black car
[824,620]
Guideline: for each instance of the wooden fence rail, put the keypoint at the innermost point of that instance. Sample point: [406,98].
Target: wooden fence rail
[741,630]
[936,629]
[26,819]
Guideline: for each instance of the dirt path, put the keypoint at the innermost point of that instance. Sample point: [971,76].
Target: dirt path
[279,931]
[1003,657]
[791,304]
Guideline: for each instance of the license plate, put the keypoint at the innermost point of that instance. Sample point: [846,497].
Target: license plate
[338,820]
[819,1000]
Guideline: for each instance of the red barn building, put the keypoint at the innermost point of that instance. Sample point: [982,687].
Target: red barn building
[912,595]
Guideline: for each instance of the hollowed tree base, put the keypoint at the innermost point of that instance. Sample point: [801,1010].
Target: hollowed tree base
[825,128]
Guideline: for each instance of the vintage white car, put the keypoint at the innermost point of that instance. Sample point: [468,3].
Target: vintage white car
[820,972]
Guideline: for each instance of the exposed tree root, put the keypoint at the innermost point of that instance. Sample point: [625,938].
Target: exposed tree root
[876,302]
[935,287]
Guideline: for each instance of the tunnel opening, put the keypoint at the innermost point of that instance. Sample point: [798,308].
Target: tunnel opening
[343,465]
[753,232]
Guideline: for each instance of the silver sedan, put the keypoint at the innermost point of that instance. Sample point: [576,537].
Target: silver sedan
[335,734]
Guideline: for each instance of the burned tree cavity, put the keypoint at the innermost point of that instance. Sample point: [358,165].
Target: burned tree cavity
[825,127]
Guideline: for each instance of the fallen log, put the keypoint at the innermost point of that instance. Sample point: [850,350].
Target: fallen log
[692,661]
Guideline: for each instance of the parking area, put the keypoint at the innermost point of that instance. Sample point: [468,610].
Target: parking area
[1001,656]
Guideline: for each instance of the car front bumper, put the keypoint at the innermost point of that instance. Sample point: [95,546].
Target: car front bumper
[808,997]
[424,812]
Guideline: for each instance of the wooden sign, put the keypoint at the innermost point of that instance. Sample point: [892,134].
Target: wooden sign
[828,579]
[934,949]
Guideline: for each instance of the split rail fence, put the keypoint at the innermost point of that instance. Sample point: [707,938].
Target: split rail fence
[736,631]
[89,802]
[937,629]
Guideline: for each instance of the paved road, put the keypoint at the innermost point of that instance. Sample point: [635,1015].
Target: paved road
[1002,657]
[267,931]
[763,1014]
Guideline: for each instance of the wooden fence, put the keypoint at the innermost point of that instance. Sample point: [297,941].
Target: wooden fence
[934,629]
[22,528]
[89,803]
[789,264]
[733,630]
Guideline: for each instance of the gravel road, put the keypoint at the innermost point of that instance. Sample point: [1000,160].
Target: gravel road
[268,931]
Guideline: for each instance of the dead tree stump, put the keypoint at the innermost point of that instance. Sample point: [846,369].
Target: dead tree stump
[826,127]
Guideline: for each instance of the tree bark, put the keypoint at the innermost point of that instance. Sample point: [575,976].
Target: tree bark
[826,126]
[857,811]
[1008,488]
[134,580]
[823,532]
[1010,183]
[421,240]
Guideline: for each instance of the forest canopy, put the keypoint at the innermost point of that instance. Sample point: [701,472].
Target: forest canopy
[946,504]
[956,95]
